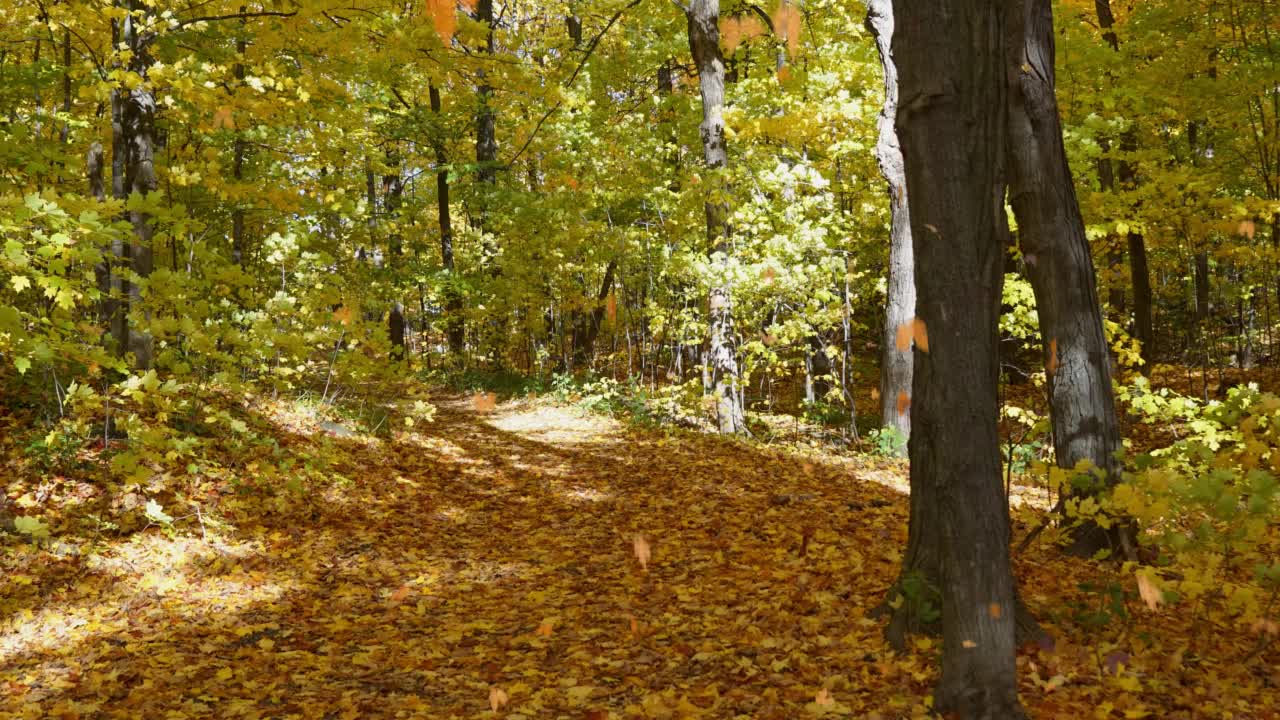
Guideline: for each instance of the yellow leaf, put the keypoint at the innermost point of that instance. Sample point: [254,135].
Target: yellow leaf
[225,673]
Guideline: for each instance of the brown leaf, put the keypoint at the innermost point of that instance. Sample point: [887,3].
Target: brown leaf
[1247,229]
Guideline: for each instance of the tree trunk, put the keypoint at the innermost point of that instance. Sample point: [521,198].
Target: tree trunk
[1058,264]
[951,124]
[486,137]
[238,152]
[704,44]
[587,329]
[900,307]
[1143,329]
[1202,286]
[137,122]
[453,323]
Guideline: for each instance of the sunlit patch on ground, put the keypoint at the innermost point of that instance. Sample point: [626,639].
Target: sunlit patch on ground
[583,568]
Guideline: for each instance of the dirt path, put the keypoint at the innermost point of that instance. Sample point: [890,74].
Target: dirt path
[488,551]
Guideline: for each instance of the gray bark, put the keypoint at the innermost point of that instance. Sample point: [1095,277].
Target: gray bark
[900,307]
[704,44]
[951,123]
[1058,262]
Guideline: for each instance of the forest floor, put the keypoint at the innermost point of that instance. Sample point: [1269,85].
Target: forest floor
[529,561]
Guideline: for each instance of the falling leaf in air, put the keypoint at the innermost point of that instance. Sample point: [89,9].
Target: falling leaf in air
[994,610]
[1247,229]
[222,119]
[497,698]
[1149,591]
[643,552]
[444,18]
[1051,365]
[969,644]
[904,402]
[484,402]
[902,337]
[920,334]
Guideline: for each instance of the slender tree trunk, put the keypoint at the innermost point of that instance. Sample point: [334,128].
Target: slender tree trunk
[1058,264]
[951,123]
[238,150]
[453,322]
[704,43]
[587,329]
[1202,286]
[900,307]
[486,136]
[137,120]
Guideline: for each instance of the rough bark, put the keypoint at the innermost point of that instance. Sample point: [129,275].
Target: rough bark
[1059,264]
[137,122]
[704,43]
[951,123]
[900,306]
[453,322]
[486,137]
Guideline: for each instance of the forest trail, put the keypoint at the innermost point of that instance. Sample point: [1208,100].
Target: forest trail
[489,553]
[493,559]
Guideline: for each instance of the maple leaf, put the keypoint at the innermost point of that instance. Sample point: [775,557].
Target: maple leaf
[824,697]
[1051,365]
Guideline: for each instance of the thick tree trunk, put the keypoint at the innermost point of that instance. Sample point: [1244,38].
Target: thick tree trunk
[951,123]
[704,43]
[1058,264]
[900,307]
[453,323]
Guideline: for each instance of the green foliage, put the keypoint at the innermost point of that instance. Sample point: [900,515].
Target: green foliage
[887,441]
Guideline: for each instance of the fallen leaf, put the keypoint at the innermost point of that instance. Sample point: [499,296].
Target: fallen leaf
[824,697]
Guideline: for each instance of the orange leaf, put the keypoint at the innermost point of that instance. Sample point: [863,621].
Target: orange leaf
[344,315]
[994,610]
[222,119]
[921,335]
[1247,229]
[611,308]
[902,338]
[824,697]
[497,698]
[1051,365]
[401,593]
[484,402]
[969,644]
[444,18]
[904,402]
[544,629]
[1149,591]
